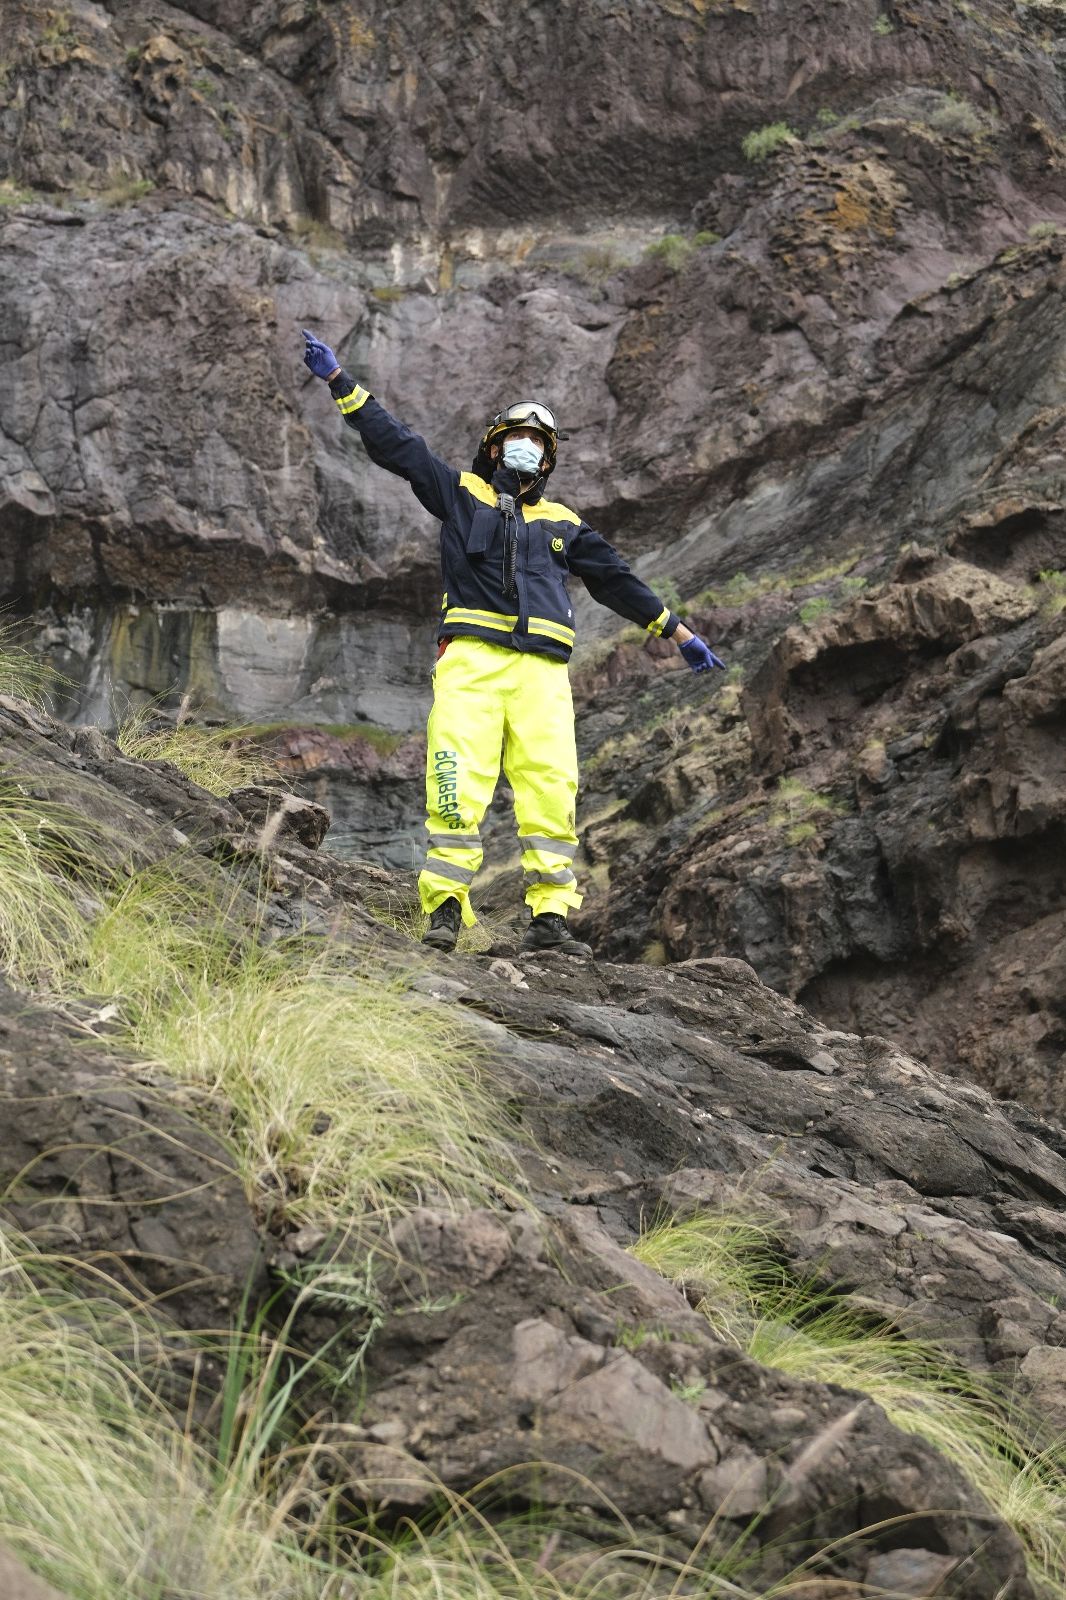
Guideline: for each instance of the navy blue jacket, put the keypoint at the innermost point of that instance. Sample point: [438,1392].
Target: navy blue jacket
[504,579]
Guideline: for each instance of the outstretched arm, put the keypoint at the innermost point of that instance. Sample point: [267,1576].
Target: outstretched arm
[610,581]
[389,442]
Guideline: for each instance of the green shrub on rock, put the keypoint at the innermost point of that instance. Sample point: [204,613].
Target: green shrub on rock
[762,142]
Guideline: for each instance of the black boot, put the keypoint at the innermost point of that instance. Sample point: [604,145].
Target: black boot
[549,932]
[444,925]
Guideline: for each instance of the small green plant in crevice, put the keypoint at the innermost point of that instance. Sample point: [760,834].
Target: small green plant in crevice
[798,809]
[126,192]
[727,1264]
[58,29]
[595,264]
[740,590]
[705,238]
[1043,230]
[384,740]
[1051,591]
[884,25]
[761,143]
[634,1336]
[673,250]
[817,606]
[12,195]
[957,116]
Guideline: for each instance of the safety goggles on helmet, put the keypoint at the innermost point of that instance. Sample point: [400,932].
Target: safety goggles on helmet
[529,412]
[525,414]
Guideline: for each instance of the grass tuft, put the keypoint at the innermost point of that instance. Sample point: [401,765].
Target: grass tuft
[724,1262]
[24,675]
[100,1493]
[797,809]
[1051,592]
[340,1090]
[43,851]
[212,758]
[761,143]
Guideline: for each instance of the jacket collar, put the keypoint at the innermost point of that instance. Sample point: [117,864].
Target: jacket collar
[506,481]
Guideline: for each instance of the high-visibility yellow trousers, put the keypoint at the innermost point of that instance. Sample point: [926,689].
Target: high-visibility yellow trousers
[491,702]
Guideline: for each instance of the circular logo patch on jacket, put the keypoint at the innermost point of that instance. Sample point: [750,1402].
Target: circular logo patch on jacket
[557,544]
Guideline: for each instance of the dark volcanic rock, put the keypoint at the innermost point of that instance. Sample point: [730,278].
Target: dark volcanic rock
[869,355]
[101,1168]
[907,866]
[526,1334]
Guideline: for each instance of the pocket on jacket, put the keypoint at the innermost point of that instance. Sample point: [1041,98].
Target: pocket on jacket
[483,533]
[538,555]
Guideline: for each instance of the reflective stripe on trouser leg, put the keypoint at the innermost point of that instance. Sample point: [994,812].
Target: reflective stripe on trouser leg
[540,759]
[465,736]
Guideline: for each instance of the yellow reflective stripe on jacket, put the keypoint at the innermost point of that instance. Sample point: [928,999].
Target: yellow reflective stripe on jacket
[500,623]
[477,486]
[480,619]
[660,622]
[552,630]
[551,511]
[351,402]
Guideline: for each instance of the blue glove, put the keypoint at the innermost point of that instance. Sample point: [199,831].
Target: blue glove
[700,657]
[318,357]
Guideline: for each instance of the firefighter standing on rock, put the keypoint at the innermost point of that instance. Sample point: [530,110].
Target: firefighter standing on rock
[506,633]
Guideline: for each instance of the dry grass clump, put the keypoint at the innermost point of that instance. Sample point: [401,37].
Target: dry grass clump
[25,675]
[214,758]
[43,901]
[726,1266]
[339,1089]
[100,1492]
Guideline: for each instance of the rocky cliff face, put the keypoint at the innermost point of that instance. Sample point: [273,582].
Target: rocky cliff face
[520,1330]
[848,340]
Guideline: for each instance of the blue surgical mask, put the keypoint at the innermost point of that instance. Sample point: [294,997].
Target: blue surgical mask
[523,456]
